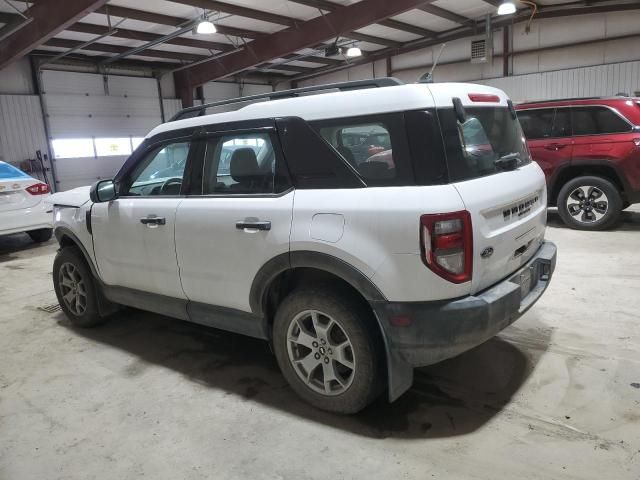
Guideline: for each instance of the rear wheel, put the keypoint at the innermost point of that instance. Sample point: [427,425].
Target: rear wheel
[328,351]
[589,203]
[41,235]
[75,288]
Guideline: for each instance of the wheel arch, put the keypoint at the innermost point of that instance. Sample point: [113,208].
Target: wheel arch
[273,282]
[66,238]
[598,168]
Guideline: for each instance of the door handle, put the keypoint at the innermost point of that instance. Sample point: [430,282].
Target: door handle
[253,225]
[555,146]
[150,220]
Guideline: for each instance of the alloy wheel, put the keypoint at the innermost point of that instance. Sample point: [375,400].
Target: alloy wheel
[587,204]
[321,352]
[72,287]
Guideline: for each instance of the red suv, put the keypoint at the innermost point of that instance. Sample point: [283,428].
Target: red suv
[589,149]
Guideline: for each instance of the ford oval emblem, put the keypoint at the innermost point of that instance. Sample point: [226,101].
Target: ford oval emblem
[487,252]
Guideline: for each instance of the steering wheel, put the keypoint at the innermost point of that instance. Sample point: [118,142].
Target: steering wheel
[168,182]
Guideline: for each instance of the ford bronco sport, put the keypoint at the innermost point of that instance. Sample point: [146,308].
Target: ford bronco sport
[363,231]
[589,150]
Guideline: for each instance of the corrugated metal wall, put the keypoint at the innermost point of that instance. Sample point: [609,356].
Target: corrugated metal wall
[600,80]
[21,128]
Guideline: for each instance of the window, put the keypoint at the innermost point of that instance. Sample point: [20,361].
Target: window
[561,123]
[161,171]
[366,147]
[106,147]
[9,171]
[596,121]
[488,134]
[73,147]
[536,123]
[240,164]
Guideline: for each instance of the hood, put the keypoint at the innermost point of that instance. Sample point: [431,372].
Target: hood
[71,198]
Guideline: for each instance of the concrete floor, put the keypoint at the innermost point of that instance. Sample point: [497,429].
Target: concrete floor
[555,396]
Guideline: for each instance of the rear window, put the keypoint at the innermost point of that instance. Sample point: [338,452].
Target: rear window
[488,134]
[9,171]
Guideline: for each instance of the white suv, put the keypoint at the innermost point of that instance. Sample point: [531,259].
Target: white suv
[363,232]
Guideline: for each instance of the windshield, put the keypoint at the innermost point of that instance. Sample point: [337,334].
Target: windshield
[9,171]
[488,134]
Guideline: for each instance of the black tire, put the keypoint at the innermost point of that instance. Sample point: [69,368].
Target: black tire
[71,258]
[584,214]
[41,235]
[367,375]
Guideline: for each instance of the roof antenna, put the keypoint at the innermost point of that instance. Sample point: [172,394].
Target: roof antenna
[428,77]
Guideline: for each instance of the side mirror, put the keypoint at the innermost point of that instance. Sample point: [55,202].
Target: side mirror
[103,191]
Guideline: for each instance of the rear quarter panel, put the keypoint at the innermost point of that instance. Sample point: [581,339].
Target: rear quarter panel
[377,231]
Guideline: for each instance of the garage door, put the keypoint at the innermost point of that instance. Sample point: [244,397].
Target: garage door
[95,121]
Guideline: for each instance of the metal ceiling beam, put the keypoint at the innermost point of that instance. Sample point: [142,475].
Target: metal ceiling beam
[332,7]
[274,18]
[99,30]
[446,14]
[161,19]
[288,41]
[463,32]
[119,49]
[49,18]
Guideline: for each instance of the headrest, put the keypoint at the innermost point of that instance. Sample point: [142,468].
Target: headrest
[244,165]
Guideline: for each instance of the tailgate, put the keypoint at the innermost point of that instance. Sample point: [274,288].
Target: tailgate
[13,195]
[508,215]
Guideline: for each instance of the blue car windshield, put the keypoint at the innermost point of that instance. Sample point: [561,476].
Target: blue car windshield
[9,171]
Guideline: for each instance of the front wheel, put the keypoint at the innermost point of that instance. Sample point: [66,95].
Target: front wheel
[75,288]
[589,203]
[328,349]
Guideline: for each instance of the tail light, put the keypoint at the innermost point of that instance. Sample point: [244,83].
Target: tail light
[38,189]
[446,241]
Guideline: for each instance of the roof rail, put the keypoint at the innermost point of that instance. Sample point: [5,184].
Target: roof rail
[199,110]
[572,99]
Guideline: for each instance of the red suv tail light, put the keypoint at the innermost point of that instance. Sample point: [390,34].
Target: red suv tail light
[38,189]
[446,242]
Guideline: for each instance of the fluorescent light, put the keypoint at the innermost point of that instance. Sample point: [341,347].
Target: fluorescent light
[507,8]
[206,27]
[353,52]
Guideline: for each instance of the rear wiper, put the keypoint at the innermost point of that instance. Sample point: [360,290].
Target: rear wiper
[510,161]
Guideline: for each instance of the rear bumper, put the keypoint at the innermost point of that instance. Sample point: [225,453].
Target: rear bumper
[435,331]
[26,219]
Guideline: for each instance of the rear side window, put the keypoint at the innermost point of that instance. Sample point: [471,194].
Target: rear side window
[9,171]
[487,134]
[365,146]
[374,147]
[597,121]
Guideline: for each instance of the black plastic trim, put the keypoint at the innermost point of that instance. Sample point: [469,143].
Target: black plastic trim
[307,259]
[228,319]
[161,304]
[61,232]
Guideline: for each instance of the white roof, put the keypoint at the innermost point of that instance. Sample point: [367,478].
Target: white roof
[348,104]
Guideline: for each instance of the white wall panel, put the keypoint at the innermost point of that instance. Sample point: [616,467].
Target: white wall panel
[16,79]
[21,128]
[171,106]
[55,81]
[601,80]
[77,172]
[133,87]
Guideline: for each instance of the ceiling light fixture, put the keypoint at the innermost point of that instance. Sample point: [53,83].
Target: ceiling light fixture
[353,52]
[206,27]
[507,8]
